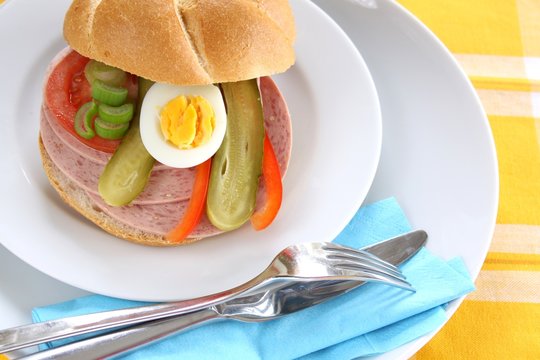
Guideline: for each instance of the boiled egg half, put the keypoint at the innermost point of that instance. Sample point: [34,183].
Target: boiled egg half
[182,126]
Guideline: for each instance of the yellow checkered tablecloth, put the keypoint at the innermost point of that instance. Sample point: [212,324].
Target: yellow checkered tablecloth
[497,42]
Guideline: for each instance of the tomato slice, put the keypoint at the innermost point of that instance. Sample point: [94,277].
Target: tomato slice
[67,89]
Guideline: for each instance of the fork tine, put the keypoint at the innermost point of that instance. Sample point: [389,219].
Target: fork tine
[402,284]
[365,266]
[375,277]
[358,254]
[355,268]
[354,252]
[362,261]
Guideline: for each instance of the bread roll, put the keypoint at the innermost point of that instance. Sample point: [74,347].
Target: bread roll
[185,42]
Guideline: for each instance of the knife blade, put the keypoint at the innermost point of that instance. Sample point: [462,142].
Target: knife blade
[395,251]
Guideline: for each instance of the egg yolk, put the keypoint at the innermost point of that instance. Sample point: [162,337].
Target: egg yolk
[187,121]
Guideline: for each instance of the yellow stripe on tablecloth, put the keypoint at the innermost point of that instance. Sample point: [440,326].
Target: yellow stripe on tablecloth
[472,27]
[509,261]
[517,239]
[506,103]
[492,65]
[529,15]
[519,169]
[488,330]
[499,83]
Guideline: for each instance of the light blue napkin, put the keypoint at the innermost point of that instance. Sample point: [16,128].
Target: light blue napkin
[369,320]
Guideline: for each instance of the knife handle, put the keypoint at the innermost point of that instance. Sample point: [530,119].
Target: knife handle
[108,345]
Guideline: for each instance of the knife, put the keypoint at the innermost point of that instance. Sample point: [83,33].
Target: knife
[395,251]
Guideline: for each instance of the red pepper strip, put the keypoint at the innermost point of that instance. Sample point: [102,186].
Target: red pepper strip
[274,189]
[196,205]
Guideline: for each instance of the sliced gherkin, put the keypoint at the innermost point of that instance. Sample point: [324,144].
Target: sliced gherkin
[237,165]
[127,172]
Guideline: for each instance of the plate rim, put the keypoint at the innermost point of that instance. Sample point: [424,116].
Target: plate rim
[474,272]
[409,349]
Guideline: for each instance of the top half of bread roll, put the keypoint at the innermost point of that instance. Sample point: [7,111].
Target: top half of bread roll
[185,42]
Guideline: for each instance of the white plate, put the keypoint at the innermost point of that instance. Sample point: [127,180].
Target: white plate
[337,139]
[438,157]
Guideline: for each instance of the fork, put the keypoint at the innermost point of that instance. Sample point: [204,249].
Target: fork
[268,302]
[303,262]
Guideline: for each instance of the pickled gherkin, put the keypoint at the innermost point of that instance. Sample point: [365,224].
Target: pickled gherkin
[127,172]
[237,165]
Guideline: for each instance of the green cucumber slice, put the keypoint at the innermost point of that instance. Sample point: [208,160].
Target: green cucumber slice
[83,120]
[96,70]
[109,130]
[116,114]
[107,94]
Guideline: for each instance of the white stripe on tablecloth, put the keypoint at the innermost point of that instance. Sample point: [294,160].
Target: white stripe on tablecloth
[532,67]
[511,286]
[506,103]
[516,239]
[492,65]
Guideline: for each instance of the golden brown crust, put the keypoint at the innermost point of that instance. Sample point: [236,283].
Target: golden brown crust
[185,41]
[77,198]
[281,13]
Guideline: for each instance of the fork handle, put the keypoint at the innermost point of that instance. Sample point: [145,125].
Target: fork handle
[108,345]
[33,334]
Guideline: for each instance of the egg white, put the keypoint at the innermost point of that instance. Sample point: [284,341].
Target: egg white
[154,141]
